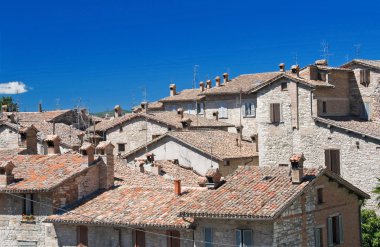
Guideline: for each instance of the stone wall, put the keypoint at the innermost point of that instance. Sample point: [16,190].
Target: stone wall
[8,137]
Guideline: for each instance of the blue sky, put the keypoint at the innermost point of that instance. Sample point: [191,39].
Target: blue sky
[107,52]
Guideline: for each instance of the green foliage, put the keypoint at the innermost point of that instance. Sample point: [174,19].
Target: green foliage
[8,100]
[370,228]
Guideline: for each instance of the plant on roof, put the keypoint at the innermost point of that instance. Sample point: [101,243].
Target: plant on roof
[370,228]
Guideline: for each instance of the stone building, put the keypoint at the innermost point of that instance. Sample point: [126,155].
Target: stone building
[199,150]
[255,206]
[35,186]
[133,130]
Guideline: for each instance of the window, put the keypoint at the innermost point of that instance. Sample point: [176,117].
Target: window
[322,76]
[318,237]
[244,238]
[173,238]
[22,139]
[284,86]
[332,160]
[27,208]
[223,110]
[365,77]
[200,107]
[320,195]
[365,111]
[138,238]
[324,106]
[248,109]
[208,237]
[82,236]
[275,113]
[189,108]
[120,128]
[335,230]
[22,243]
[121,147]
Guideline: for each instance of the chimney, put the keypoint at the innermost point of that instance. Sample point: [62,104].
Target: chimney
[186,122]
[225,78]
[296,70]
[28,139]
[201,86]
[118,111]
[217,81]
[87,149]
[215,114]
[4,108]
[39,107]
[177,187]
[239,130]
[213,177]
[106,173]
[208,84]
[297,168]
[321,62]
[144,106]
[52,142]
[282,67]
[6,176]
[180,113]
[11,118]
[173,89]
[150,157]
[156,169]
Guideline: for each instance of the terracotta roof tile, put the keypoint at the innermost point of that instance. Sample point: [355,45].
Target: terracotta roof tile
[38,116]
[185,95]
[369,63]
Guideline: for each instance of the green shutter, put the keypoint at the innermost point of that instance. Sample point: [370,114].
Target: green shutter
[317,237]
[247,238]
[330,232]
[340,229]
[239,239]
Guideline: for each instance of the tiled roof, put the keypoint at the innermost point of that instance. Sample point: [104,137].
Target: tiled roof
[153,106]
[44,172]
[257,192]
[365,62]
[169,118]
[34,117]
[367,128]
[185,95]
[142,200]
[67,134]
[219,144]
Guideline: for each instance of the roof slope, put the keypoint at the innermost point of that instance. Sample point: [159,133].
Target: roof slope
[44,172]
[67,134]
[365,62]
[184,95]
[169,118]
[367,128]
[33,117]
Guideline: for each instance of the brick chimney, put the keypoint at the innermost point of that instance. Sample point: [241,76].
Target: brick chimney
[106,173]
[202,86]
[208,84]
[215,114]
[213,177]
[217,81]
[6,176]
[186,122]
[239,130]
[321,62]
[297,168]
[296,70]
[118,111]
[173,89]
[144,106]
[180,113]
[177,187]
[225,78]
[282,67]
[52,142]
[39,107]
[87,149]
[28,139]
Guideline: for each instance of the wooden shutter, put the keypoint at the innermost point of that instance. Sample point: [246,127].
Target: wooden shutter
[139,237]
[317,235]
[253,110]
[335,161]
[247,238]
[328,159]
[271,111]
[275,113]
[173,238]
[340,229]
[367,76]
[239,239]
[330,232]
[208,237]
[361,79]
[243,111]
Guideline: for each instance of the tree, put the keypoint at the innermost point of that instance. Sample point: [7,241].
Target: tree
[370,228]
[8,101]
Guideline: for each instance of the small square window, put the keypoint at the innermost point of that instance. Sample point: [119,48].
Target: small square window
[284,86]
[121,147]
[120,128]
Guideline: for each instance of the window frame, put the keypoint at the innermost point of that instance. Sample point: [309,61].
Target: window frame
[223,110]
[273,118]
[335,230]
[27,204]
[82,235]
[330,154]
[284,86]
[241,240]
[208,242]
[121,145]
[365,77]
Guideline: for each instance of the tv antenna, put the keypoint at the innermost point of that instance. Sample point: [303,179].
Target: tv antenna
[195,76]
[57,105]
[325,50]
[357,50]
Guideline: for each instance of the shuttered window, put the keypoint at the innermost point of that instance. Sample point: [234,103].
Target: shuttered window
[173,238]
[82,236]
[28,206]
[332,160]
[365,111]
[365,75]
[318,237]
[223,110]
[335,230]
[244,238]
[248,109]
[275,113]
[138,238]
[208,233]
[200,107]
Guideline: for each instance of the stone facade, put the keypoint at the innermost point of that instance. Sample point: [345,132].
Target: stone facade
[9,138]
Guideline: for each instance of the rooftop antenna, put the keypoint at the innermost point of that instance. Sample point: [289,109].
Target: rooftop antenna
[195,75]
[57,106]
[296,57]
[325,50]
[357,50]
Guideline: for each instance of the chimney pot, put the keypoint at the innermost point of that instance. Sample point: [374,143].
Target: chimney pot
[297,168]
[216,115]
[225,78]
[144,106]
[6,176]
[177,187]
[173,89]
[202,86]
[40,107]
[118,111]
[208,84]
[282,67]
[156,169]
[180,113]
[321,62]
[106,174]
[296,70]
[53,142]
[87,149]
[217,81]
[4,108]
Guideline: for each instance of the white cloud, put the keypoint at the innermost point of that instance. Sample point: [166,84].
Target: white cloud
[13,87]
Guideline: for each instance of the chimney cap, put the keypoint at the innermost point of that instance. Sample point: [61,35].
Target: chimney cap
[180,110]
[201,83]
[117,107]
[87,146]
[225,74]
[322,62]
[103,145]
[52,138]
[297,158]
[7,165]
[172,85]
[217,78]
